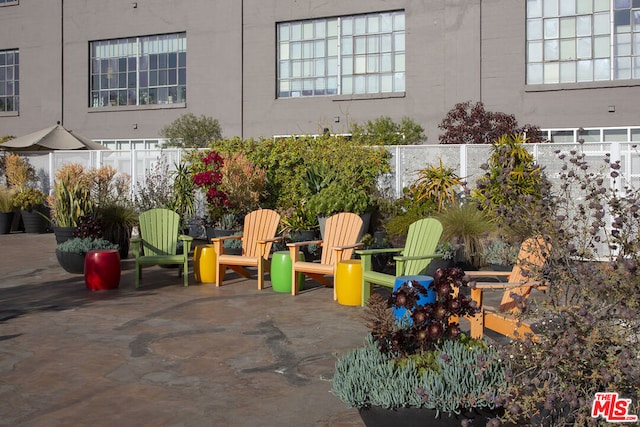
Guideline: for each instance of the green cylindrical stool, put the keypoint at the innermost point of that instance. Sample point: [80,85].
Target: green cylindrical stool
[281,271]
[348,282]
[204,264]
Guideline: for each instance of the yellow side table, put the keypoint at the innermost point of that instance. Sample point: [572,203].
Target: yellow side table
[348,282]
[204,264]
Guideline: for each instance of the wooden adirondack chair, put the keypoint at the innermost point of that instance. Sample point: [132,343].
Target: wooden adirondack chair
[531,257]
[260,227]
[422,238]
[340,239]
[158,241]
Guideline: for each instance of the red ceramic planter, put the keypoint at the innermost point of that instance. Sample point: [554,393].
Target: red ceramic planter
[102,269]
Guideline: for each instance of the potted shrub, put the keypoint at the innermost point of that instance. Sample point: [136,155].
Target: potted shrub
[117,220]
[183,197]
[113,208]
[71,199]
[71,253]
[30,202]
[421,365]
[298,223]
[28,199]
[467,227]
[6,209]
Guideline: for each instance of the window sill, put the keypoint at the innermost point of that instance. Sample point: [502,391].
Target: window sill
[581,86]
[9,113]
[365,96]
[119,108]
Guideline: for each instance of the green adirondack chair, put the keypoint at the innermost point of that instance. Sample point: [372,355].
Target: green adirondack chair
[413,259]
[158,241]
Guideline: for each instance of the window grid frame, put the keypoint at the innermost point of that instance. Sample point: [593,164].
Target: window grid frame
[289,85]
[622,60]
[134,86]
[9,81]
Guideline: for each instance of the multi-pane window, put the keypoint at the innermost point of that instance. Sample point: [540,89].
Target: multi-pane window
[3,2]
[571,41]
[346,55]
[139,71]
[9,80]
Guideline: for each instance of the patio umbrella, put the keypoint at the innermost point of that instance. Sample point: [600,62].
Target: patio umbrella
[51,138]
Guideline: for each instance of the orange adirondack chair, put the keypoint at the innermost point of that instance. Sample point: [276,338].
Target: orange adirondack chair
[531,256]
[260,227]
[340,239]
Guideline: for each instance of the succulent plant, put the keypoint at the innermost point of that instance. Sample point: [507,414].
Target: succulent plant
[427,363]
[84,245]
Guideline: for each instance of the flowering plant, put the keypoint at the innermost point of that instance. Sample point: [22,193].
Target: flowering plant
[208,177]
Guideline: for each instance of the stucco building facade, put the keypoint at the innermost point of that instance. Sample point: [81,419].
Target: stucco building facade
[125,69]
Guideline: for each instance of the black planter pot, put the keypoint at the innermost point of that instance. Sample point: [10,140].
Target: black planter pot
[302,236]
[63,233]
[34,221]
[71,262]
[6,219]
[409,417]
[217,232]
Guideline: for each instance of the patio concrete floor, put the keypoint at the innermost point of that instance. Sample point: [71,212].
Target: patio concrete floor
[163,354]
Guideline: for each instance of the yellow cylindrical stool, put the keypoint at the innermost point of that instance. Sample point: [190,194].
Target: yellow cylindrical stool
[204,264]
[349,282]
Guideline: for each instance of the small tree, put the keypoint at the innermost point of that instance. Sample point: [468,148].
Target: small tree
[384,131]
[189,131]
[468,123]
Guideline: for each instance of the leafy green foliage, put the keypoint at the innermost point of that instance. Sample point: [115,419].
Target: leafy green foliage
[298,218]
[340,197]
[190,131]
[438,185]
[182,199]
[468,123]
[385,131]
[289,162]
[512,185]
[28,199]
